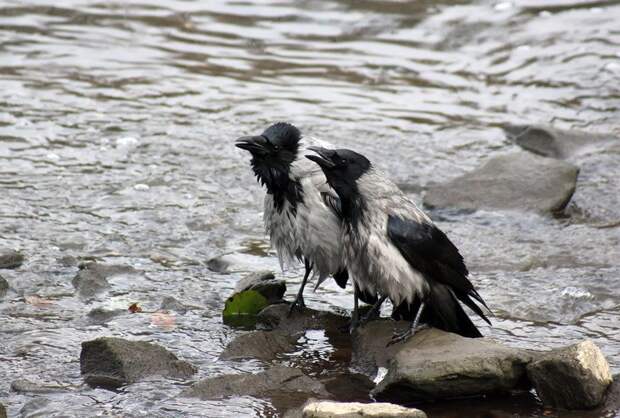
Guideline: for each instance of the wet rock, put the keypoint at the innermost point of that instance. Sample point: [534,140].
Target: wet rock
[4,286]
[265,283]
[171,304]
[275,317]
[27,386]
[330,409]
[369,351]
[596,197]
[93,277]
[261,345]
[520,181]
[10,259]
[67,261]
[102,315]
[554,143]
[37,407]
[237,262]
[278,381]
[2,411]
[574,377]
[436,365]
[112,362]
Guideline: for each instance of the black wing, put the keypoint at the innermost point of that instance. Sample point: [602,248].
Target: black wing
[427,249]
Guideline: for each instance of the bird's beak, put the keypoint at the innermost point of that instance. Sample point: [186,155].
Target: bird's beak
[325,157]
[254,144]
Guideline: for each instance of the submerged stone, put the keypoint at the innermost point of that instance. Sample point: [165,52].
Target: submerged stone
[261,345]
[276,381]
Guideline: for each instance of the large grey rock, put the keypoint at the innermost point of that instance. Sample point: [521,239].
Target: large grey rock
[261,345]
[275,317]
[517,181]
[574,377]
[278,381]
[113,362]
[330,409]
[10,259]
[436,365]
[555,143]
[265,283]
[92,278]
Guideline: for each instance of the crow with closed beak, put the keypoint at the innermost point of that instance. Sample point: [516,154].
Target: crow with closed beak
[392,248]
[300,226]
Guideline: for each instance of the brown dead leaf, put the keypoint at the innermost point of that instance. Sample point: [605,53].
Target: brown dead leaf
[134,308]
[164,320]
[38,301]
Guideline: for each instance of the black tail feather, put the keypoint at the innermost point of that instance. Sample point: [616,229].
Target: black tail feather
[447,313]
[342,277]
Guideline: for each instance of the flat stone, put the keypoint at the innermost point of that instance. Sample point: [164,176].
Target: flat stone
[92,278]
[276,317]
[265,283]
[261,345]
[330,409]
[10,259]
[27,386]
[278,381]
[101,315]
[517,181]
[171,304]
[574,377]
[438,365]
[554,143]
[113,362]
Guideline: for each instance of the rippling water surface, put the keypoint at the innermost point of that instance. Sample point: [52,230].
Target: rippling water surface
[117,122]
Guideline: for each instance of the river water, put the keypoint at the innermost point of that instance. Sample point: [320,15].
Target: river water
[117,122]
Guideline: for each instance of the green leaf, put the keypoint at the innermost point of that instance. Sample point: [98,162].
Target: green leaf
[249,302]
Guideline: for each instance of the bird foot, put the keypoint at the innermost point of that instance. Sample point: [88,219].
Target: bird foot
[399,337]
[298,304]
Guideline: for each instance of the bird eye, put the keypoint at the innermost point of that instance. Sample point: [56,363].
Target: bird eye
[276,147]
[343,161]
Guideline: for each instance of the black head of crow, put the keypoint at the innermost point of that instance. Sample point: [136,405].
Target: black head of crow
[343,168]
[273,152]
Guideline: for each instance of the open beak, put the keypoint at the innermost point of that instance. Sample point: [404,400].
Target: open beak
[325,157]
[254,144]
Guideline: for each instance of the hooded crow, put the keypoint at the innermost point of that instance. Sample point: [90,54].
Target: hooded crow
[300,226]
[391,247]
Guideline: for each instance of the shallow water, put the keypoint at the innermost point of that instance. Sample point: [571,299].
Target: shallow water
[116,129]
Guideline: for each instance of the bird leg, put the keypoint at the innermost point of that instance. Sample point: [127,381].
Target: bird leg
[400,337]
[373,312]
[299,300]
[355,314]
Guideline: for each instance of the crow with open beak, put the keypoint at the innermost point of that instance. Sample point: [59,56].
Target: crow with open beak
[392,248]
[300,225]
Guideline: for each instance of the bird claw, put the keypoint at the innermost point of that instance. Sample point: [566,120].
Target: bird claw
[297,303]
[404,336]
